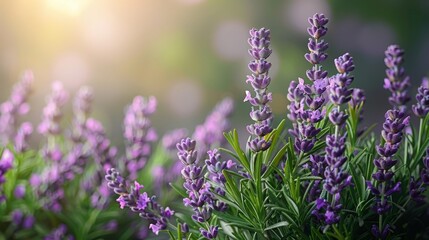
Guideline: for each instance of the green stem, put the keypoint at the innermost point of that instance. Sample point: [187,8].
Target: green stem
[380,217]
[419,139]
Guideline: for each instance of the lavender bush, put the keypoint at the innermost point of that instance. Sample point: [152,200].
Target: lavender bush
[327,177]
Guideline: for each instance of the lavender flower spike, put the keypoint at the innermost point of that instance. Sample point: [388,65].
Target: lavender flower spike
[260,42]
[421,108]
[396,82]
[6,163]
[81,110]
[384,185]
[22,137]
[307,101]
[210,133]
[199,197]
[138,201]
[336,179]
[139,133]
[50,125]
[16,105]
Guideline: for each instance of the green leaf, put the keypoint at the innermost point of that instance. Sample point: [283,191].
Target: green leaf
[277,225]
[179,231]
[275,138]
[275,162]
[232,138]
[179,190]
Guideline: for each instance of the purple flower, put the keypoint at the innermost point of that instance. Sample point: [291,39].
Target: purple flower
[59,233]
[307,101]
[199,196]
[22,137]
[81,110]
[17,217]
[384,185]
[259,42]
[210,133]
[418,187]
[421,108]
[138,201]
[52,114]
[211,233]
[19,191]
[139,133]
[6,163]
[170,139]
[335,178]
[396,82]
[155,228]
[28,222]
[15,106]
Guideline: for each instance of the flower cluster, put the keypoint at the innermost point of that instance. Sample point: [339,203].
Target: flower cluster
[52,113]
[104,155]
[199,197]
[6,163]
[260,50]
[421,108]
[418,187]
[21,220]
[396,82]
[385,186]
[210,133]
[306,101]
[215,168]
[138,133]
[81,110]
[139,202]
[59,233]
[335,179]
[16,105]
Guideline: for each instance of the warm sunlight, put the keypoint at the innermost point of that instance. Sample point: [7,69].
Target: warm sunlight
[70,7]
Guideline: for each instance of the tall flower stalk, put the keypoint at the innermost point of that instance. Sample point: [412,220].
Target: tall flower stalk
[210,134]
[15,106]
[396,81]
[199,197]
[259,42]
[307,100]
[384,184]
[139,134]
[335,178]
[133,198]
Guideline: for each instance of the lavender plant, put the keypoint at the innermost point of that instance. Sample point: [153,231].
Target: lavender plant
[329,178]
[323,183]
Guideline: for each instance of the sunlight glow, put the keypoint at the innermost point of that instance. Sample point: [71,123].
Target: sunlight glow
[70,7]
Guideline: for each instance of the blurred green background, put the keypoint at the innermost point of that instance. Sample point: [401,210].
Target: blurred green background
[190,54]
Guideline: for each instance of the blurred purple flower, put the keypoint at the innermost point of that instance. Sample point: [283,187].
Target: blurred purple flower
[170,139]
[139,134]
[13,107]
[421,108]
[22,137]
[52,113]
[6,163]
[396,82]
[81,110]
[59,233]
[210,133]
[19,191]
